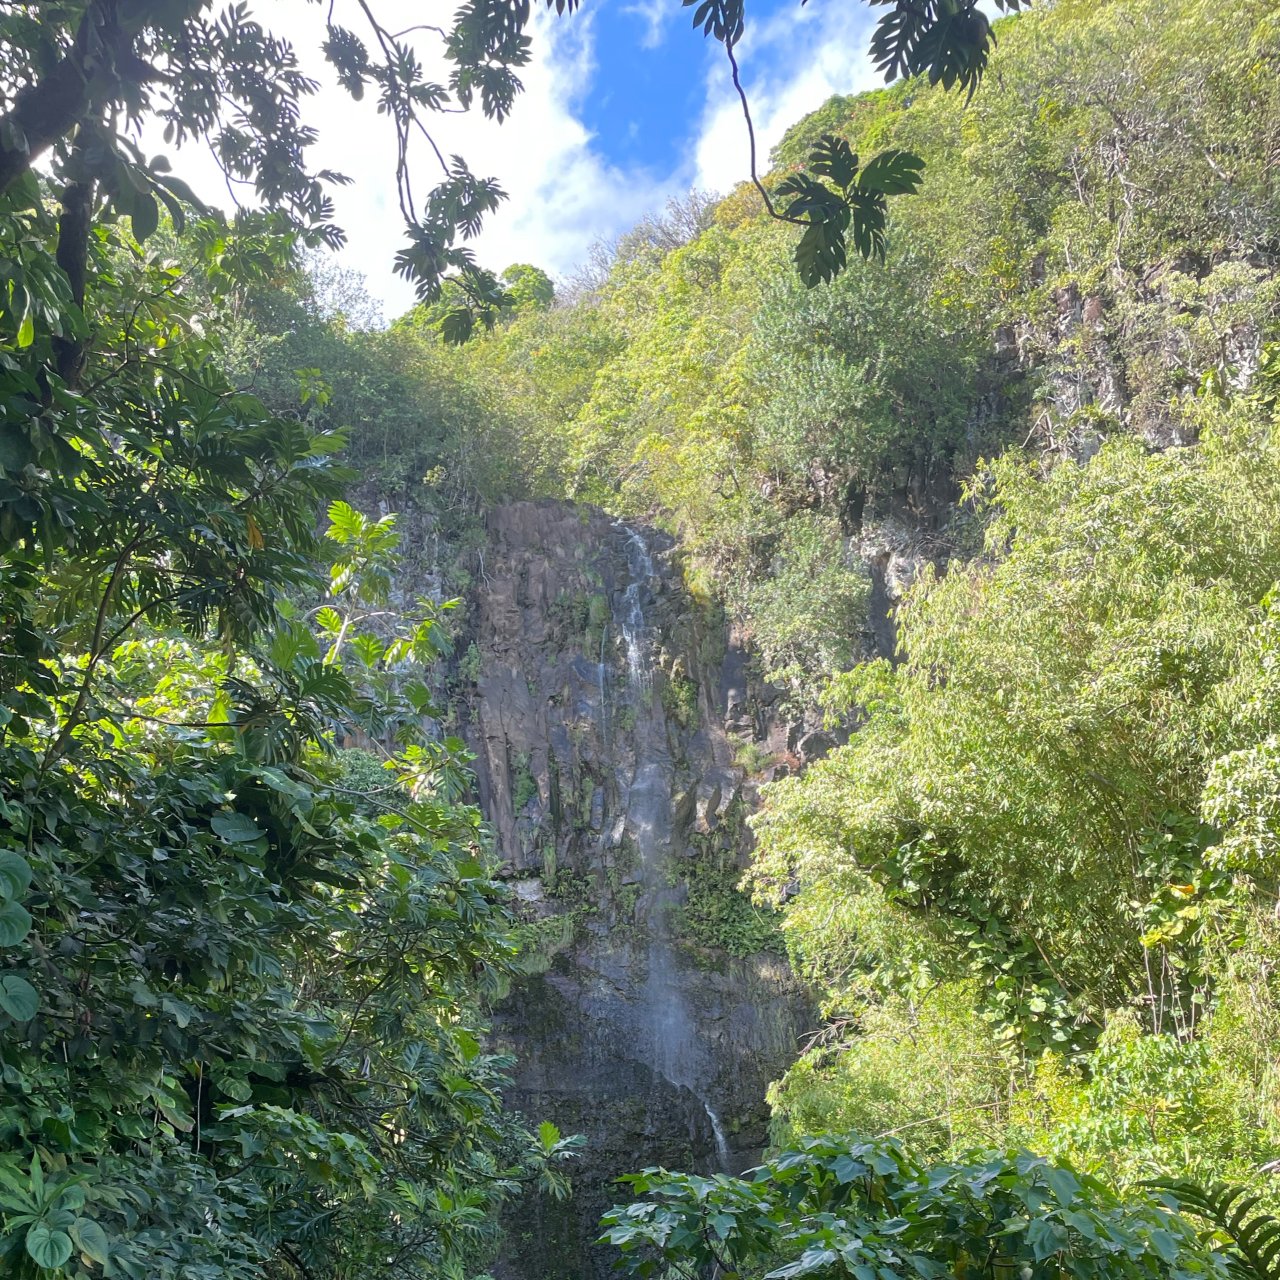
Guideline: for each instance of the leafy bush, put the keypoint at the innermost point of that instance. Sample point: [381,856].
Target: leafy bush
[839,1205]
[524,786]
[1061,701]
[926,1066]
[807,612]
[680,699]
[752,757]
[717,913]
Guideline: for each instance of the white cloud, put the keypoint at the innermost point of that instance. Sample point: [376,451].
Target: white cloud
[656,15]
[791,64]
[563,193]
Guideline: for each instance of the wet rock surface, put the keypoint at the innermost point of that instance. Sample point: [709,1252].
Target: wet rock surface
[608,714]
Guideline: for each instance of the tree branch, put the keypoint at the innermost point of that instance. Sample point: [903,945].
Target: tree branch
[96,651]
[751,138]
[75,222]
[49,109]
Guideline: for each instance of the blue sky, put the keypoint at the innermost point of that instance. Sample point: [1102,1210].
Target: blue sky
[646,98]
[625,106]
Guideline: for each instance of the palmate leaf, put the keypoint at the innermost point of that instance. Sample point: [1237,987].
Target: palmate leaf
[897,35]
[950,42]
[833,158]
[813,200]
[821,253]
[953,50]
[892,173]
[457,325]
[345,523]
[347,54]
[857,208]
[870,217]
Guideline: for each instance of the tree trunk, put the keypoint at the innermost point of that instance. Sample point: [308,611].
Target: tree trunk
[74,225]
[48,110]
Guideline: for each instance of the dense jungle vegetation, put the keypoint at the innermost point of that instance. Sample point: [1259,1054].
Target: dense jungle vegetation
[1037,887]
[244,975]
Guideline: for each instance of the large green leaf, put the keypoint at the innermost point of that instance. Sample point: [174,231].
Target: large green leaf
[146,216]
[91,1240]
[833,158]
[18,998]
[15,922]
[50,1249]
[15,874]
[234,827]
[892,173]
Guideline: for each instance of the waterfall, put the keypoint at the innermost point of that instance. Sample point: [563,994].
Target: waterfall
[675,1052]
[634,631]
[604,697]
[722,1142]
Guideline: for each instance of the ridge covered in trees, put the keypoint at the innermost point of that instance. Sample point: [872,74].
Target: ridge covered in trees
[244,974]
[1037,887]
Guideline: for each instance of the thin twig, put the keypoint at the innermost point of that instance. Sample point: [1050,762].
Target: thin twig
[751,138]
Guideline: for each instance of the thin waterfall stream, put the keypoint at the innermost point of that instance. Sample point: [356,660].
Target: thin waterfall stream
[601,673]
[674,1042]
[605,716]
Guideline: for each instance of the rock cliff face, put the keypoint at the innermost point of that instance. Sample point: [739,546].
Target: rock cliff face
[613,721]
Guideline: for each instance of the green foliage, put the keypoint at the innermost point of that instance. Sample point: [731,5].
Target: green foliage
[848,200]
[833,1205]
[90,67]
[679,697]
[752,757]
[240,1006]
[717,913]
[697,379]
[1143,1105]
[413,427]
[1254,1237]
[928,1067]
[806,614]
[529,287]
[469,667]
[1059,702]
[950,42]
[242,978]
[524,786]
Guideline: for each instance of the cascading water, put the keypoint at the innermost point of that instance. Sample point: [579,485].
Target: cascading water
[631,1027]
[601,673]
[722,1141]
[634,631]
[674,1048]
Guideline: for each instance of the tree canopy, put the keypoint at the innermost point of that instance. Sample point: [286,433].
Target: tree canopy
[79,80]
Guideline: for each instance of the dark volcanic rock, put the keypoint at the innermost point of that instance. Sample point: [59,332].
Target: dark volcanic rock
[609,778]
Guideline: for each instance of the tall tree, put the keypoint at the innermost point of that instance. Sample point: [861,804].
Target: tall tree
[79,79]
